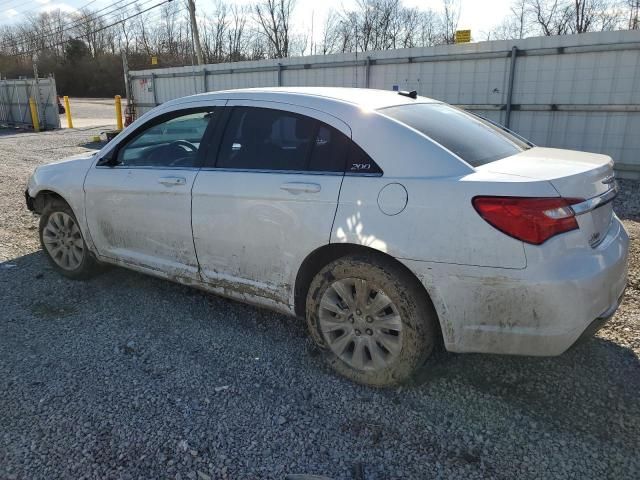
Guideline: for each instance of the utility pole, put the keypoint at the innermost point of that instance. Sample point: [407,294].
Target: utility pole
[128,112]
[194,31]
[311,32]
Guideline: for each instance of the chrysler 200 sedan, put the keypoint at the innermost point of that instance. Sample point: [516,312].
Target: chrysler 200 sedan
[390,222]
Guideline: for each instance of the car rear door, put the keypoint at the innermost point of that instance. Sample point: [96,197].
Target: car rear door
[268,197]
[139,205]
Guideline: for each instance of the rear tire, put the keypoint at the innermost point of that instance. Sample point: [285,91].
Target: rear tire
[372,319]
[62,242]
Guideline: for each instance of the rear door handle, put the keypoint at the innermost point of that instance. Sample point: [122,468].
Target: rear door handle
[300,187]
[171,181]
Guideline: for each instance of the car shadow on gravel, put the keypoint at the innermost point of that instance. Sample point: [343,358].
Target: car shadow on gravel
[200,362]
[520,380]
[585,389]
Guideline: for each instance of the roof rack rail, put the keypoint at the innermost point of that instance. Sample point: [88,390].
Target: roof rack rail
[412,94]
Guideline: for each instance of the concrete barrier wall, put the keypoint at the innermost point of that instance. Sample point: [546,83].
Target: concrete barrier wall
[575,91]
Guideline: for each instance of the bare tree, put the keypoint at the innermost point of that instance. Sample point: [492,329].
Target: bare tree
[330,33]
[126,31]
[380,25]
[518,24]
[552,16]
[221,26]
[89,27]
[298,45]
[520,15]
[236,34]
[559,17]
[144,37]
[428,29]
[588,13]
[450,18]
[274,18]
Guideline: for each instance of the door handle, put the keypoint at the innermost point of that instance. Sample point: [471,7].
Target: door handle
[300,187]
[171,181]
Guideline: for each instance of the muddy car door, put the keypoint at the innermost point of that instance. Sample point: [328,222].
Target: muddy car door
[269,196]
[138,197]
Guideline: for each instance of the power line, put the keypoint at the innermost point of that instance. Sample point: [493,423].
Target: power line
[7,2]
[30,52]
[78,23]
[40,5]
[82,20]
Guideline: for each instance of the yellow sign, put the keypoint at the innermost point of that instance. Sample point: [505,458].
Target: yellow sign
[463,36]
[154,60]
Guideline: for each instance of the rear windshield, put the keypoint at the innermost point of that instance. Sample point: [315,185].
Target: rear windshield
[470,137]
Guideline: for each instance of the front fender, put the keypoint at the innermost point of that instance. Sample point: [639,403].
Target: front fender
[64,179]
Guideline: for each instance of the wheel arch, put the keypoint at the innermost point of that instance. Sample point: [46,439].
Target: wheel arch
[44,196]
[326,254]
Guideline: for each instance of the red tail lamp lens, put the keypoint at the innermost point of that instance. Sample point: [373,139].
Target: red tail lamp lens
[532,220]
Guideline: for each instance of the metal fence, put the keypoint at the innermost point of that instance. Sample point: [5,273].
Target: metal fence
[577,91]
[14,102]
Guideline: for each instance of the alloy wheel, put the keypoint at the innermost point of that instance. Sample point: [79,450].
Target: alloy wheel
[360,324]
[63,241]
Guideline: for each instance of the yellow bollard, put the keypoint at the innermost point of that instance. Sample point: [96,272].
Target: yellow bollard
[118,112]
[67,109]
[34,115]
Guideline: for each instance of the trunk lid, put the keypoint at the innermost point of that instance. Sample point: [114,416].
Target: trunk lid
[579,175]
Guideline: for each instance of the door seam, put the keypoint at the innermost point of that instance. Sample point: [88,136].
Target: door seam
[193,238]
[335,212]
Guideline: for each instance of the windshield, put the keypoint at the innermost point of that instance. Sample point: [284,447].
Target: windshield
[470,137]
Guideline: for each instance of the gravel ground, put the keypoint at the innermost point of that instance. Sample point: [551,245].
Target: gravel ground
[127,376]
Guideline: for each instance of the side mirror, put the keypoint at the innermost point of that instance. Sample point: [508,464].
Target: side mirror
[109,160]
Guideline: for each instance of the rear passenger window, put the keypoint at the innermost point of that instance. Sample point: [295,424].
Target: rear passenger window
[266,139]
[330,150]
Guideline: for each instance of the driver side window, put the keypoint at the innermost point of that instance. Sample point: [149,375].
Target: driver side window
[172,143]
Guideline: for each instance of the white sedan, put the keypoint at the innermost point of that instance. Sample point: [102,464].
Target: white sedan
[390,222]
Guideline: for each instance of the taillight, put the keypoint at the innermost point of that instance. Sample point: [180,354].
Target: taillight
[532,220]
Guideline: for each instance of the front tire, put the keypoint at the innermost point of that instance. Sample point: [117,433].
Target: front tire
[62,242]
[375,323]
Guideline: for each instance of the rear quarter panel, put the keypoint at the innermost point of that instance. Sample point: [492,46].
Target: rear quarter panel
[439,223]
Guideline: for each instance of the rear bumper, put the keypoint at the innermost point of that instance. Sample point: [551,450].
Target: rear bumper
[599,322]
[540,310]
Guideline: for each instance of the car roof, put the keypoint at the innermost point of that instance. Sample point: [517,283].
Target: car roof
[371,99]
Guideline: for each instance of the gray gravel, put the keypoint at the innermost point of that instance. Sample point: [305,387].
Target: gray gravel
[127,376]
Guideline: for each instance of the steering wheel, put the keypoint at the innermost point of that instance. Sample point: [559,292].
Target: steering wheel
[185,145]
[188,146]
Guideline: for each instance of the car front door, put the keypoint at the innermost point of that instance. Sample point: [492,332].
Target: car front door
[138,197]
[268,198]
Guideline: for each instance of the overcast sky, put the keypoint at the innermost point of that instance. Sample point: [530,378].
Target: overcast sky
[478,15]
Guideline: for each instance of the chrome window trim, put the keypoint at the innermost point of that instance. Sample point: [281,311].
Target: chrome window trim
[293,172]
[246,170]
[595,202]
[362,174]
[265,170]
